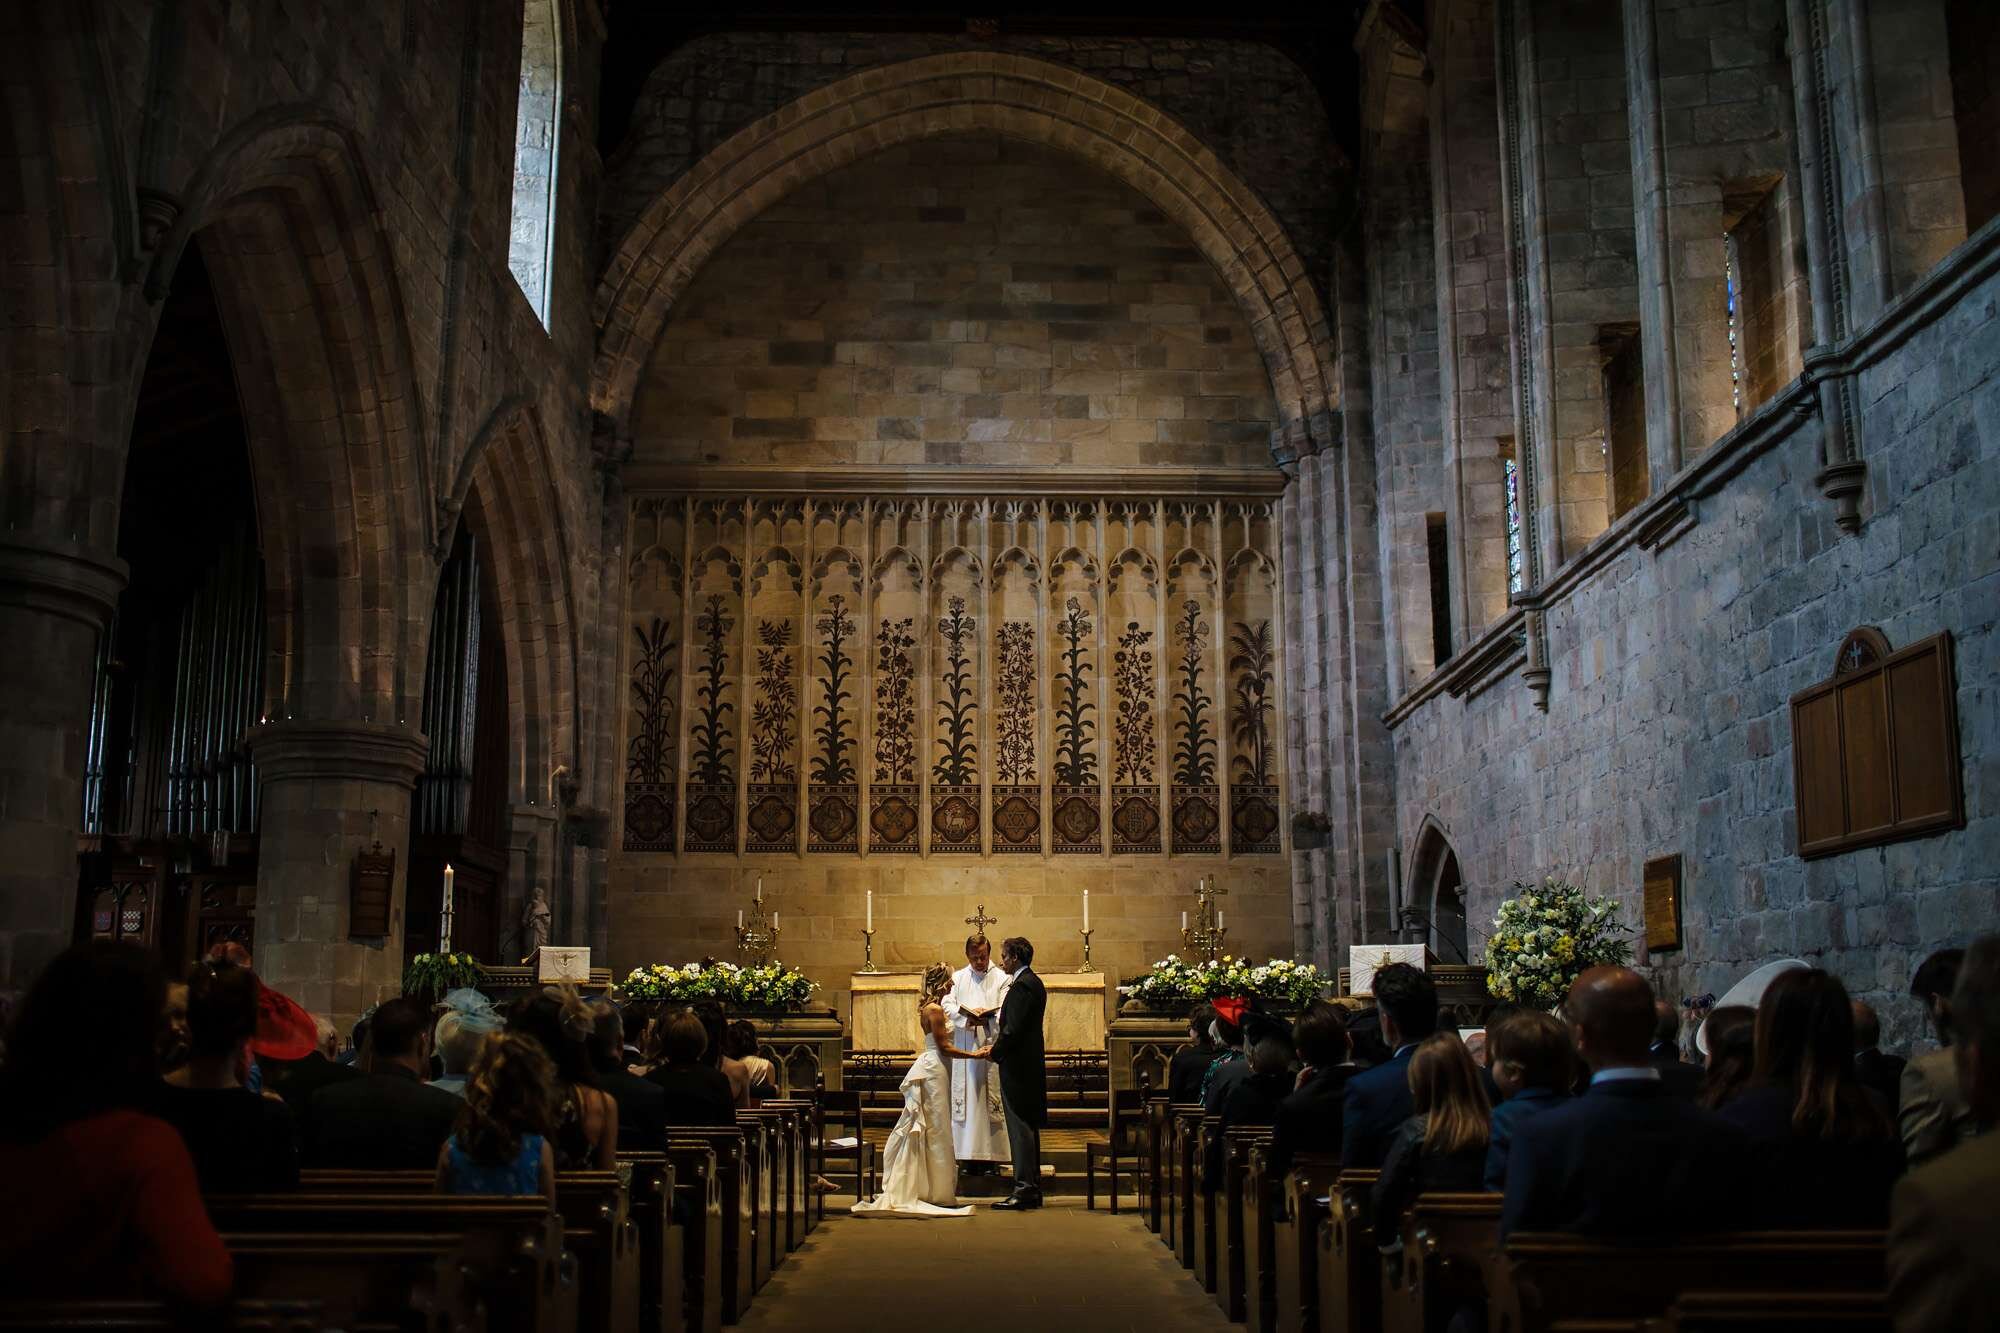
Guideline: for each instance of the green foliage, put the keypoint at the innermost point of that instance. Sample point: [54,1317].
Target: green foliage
[1173,982]
[1548,935]
[766,986]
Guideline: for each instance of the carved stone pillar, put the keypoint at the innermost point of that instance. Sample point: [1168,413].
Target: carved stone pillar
[55,600]
[330,791]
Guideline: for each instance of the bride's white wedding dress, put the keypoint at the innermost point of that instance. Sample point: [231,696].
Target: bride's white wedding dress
[919,1169]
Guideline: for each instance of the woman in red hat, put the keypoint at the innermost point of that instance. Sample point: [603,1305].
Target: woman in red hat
[241,1141]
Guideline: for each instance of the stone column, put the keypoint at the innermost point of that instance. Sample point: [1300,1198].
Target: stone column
[1655,244]
[330,790]
[55,600]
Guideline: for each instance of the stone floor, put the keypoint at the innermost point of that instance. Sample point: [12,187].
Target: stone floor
[1058,1269]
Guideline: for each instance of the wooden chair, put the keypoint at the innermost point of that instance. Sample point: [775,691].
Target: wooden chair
[1295,1241]
[841,1111]
[242,1316]
[1544,1282]
[1128,1118]
[1447,1241]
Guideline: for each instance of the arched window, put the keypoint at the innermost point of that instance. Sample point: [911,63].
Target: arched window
[537,122]
[1435,897]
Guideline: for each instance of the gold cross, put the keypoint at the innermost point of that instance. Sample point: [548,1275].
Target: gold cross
[980,921]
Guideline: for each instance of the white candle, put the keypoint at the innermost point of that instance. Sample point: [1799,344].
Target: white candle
[444,919]
[871,909]
[1086,909]
[1220,922]
[774,923]
[739,918]
[760,890]
[1183,920]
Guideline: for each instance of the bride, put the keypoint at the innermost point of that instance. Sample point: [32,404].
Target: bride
[919,1170]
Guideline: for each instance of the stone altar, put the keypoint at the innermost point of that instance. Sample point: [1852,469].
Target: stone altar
[884,1011]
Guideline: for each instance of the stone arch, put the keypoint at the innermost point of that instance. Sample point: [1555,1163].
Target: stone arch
[505,490]
[1015,96]
[287,221]
[1437,889]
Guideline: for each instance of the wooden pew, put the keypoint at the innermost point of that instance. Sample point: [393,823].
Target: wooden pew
[1206,1214]
[735,1172]
[1295,1241]
[240,1316]
[1775,1312]
[1187,1179]
[1541,1282]
[783,1197]
[1350,1292]
[757,1149]
[1448,1240]
[513,1246]
[651,1193]
[598,1229]
[1153,1169]
[411,1283]
[811,1137]
[699,1218]
[1236,1217]
[1263,1204]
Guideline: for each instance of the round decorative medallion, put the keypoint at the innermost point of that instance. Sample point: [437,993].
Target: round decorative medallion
[833,818]
[1136,821]
[955,820]
[1256,821]
[1017,820]
[773,816]
[1195,821]
[648,819]
[712,819]
[1076,819]
[894,820]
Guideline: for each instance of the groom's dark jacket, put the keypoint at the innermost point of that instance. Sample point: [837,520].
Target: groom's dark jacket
[1024,1080]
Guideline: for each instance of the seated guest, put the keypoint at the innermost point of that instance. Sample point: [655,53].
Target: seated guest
[1932,1111]
[113,1208]
[1378,1101]
[642,1107]
[1534,1066]
[1875,1069]
[586,1128]
[697,1092]
[1680,1076]
[1824,1153]
[468,1020]
[1943,1229]
[1309,1117]
[717,1054]
[741,1046]
[1253,1101]
[1442,1146]
[1190,1063]
[388,1119]
[297,1080]
[1732,1055]
[1232,1059]
[636,1019]
[241,1141]
[174,1028]
[1628,1158]
[500,1144]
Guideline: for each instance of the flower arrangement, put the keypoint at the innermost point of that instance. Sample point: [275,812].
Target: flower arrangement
[1546,936]
[433,974]
[767,985]
[1173,981]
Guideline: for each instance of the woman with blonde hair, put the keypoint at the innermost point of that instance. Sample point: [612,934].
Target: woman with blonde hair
[500,1144]
[1442,1146]
[919,1165]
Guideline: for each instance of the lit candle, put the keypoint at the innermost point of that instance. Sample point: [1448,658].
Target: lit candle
[739,918]
[871,909]
[1086,909]
[444,918]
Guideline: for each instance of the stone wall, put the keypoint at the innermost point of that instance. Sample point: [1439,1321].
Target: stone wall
[1249,104]
[1668,727]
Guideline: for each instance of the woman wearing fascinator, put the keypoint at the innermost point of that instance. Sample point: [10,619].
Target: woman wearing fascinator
[586,1131]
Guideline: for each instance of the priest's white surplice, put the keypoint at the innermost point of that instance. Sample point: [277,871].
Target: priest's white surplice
[978,1126]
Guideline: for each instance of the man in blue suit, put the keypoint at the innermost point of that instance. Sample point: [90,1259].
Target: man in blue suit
[1378,1102]
[1629,1157]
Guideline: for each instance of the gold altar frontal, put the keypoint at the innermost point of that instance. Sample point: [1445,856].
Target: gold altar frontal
[884,1012]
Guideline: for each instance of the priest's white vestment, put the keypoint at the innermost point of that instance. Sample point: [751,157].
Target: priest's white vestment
[978,1126]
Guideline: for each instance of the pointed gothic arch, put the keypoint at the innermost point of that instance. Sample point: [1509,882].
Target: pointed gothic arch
[1437,889]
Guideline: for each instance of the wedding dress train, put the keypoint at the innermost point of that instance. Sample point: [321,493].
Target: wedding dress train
[919,1169]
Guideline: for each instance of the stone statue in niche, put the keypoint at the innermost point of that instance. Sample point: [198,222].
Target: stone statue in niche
[536,919]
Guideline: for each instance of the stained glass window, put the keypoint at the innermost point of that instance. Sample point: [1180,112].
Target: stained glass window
[1516,558]
[1733,297]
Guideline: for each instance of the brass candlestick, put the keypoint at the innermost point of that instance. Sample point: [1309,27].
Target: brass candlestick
[757,934]
[867,950]
[1207,935]
[1087,965]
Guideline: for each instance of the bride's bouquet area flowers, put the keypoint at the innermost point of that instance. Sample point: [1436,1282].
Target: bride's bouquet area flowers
[1546,936]
[765,986]
[1173,981]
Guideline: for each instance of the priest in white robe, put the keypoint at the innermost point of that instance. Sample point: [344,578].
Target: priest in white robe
[978,1126]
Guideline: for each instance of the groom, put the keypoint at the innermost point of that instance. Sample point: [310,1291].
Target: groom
[1024,1092]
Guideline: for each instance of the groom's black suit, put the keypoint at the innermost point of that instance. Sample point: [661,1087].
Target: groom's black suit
[1024,1082]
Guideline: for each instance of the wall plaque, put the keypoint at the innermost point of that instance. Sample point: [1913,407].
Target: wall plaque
[1663,903]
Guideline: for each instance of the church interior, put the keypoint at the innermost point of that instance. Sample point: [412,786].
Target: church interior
[1368,551]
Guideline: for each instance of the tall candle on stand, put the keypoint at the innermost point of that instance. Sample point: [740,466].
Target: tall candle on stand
[1184,921]
[871,909]
[760,890]
[739,918]
[1086,909]
[444,917]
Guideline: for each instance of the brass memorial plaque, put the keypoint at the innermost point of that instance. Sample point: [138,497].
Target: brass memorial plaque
[1663,903]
